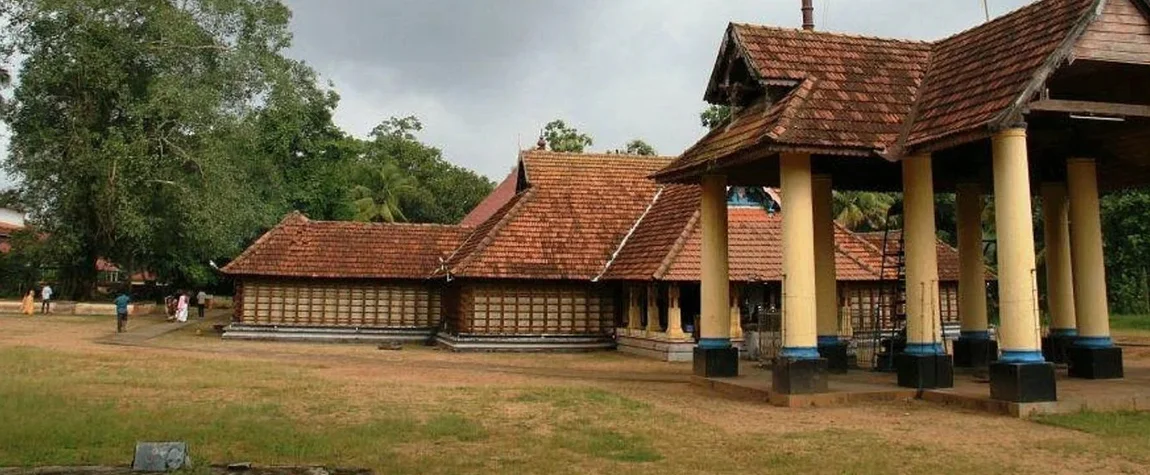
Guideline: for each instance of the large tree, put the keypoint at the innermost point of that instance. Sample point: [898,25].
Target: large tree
[131,127]
[440,192]
[561,137]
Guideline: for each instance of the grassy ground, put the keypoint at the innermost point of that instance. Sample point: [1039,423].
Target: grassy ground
[1130,324]
[66,400]
[1124,433]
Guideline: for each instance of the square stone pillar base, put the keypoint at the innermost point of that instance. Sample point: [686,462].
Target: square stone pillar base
[799,376]
[716,362]
[1022,382]
[1095,363]
[1056,347]
[924,371]
[836,355]
[974,353]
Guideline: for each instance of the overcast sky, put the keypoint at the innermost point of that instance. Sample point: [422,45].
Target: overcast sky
[485,75]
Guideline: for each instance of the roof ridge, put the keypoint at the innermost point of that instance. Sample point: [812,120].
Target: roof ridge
[794,99]
[630,232]
[490,236]
[677,247]
[833,33]
[996,19]
[621,156]
[383,224]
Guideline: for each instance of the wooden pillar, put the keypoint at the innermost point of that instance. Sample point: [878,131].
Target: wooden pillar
[972,271]
[736,315]
[1017,289]
[674,313]
[633,312]
[653,325]
[715,327]
[1059,277]
[799,329]
[923,332]
[826,287]
[1089,271]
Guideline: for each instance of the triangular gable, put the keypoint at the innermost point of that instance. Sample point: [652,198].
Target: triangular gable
[1120,34]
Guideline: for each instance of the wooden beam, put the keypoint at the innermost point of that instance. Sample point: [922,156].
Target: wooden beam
[1089,108]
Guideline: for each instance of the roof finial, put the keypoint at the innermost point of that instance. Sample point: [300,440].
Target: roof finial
[542,143]
[808,15]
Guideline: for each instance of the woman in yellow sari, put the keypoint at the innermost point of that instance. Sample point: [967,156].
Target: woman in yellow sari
[28,304]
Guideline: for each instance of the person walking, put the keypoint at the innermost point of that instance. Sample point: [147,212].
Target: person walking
[28,305]
[122,312]
[46,299]
[201,302]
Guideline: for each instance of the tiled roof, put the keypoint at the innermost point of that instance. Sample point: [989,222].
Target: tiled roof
[976,75]
[873,96]
[576,210]
[667,244]
[299,247]
[498,197]
[948,260]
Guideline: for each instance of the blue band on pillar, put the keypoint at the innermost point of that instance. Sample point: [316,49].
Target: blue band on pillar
[714,343]
[800,352]
[832,340]
[974,335]
[1021,356]
[929,348]
[1063,332]
[1093,342]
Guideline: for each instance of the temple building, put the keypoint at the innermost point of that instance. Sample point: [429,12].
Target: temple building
[571,251]
[1047,100]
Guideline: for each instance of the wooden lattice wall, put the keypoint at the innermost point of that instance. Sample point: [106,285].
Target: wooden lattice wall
[534,309]
[865,300]
[338,304]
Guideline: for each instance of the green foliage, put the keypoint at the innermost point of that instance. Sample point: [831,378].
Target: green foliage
[127,123]
[639,147]
[377,194]
[714,116]
[1126,236]
[860,210]
[439,192]
[562,138]
[163,135]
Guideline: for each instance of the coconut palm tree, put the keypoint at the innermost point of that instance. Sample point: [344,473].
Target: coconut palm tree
[862,211]
[377,196]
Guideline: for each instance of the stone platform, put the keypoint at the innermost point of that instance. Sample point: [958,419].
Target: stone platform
[658,345]
[971,391]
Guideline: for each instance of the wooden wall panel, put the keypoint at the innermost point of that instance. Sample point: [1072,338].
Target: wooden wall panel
[535,309]
[338,304]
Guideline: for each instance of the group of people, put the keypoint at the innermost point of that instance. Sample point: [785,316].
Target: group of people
[177,305]
[28,305]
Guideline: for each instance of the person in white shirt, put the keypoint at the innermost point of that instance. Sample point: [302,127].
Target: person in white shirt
[201,302]
[46,299]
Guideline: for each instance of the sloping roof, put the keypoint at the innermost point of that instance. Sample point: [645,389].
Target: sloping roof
[948,260]
[299,247]
[498,197]
[977,74]
[857,95]
[576,210]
